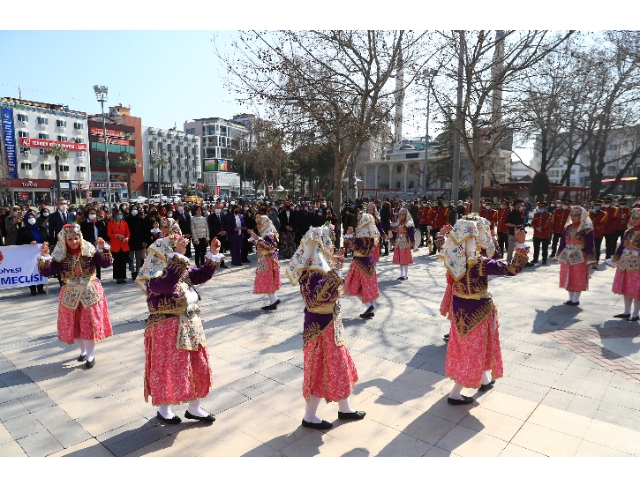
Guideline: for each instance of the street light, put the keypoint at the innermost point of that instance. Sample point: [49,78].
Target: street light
[429,74]
[101,95]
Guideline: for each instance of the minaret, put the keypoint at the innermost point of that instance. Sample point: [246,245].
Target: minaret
[397,136]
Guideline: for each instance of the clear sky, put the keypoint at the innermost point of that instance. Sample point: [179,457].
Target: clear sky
[166,76]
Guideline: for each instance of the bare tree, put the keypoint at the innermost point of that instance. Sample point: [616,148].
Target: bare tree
[337,84]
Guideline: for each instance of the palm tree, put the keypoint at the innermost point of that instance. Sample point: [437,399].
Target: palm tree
[128,163]
[58,152]
[160,162]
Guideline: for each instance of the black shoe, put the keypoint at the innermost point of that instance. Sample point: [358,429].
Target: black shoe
[325,425]
[34,292]
[175,420]
[405,278]
[42,291]
[529,264]
[204,419]
[577,303]
[134,276]
[460,402]
[367,315]
[82,357]
[569,303]
[276,303]
[534,261]
[355,415]
[400,278]
[622,315]
[224,266]
[89,365]
[247,261]
[544,261]
[270,307]
[633,318]
[486,387]
[446,337]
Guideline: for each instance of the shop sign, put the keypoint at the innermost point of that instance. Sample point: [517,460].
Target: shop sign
[48,144]
[9,142]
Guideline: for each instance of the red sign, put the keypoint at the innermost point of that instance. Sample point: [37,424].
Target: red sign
[110,133]
[218,190]
[111,140]
[30,183]
[48,144]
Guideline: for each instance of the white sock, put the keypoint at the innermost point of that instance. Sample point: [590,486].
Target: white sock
[165,412]
[576,296]
[455,392]
[90,346]
[344,407]
[571,296]
[83,349]
[310,410]
[366,306]
[636,307]
[194,408]
[272,298]
[406,270]
[627,304]
[486,377]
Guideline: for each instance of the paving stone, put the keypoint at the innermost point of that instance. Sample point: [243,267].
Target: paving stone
[40,444]
[135,442]
[52,416]
[12,409]
[23,426]
[69,434]
[36,402]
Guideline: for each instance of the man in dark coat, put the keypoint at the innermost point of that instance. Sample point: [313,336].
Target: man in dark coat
[216,222]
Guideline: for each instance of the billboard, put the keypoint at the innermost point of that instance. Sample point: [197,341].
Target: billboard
[9,142]
[48,144]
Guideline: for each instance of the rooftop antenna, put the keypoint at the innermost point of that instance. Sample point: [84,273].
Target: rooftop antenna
[19,92]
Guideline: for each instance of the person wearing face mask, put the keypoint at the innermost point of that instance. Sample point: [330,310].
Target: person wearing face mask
[272,213]
[135,222]
[610,226]
[440,218]
[235,232]
[32,234]
[94,228]
[541,223]
[627,262]
[119,235]
[43,219]
[183,218]
[599,219]
[501,226]
[303,222]
[424,222]
[287,231]
[622,220]
[560,217]
[514,220]
[57,220]
[12,224]
[489,214]
[250,225]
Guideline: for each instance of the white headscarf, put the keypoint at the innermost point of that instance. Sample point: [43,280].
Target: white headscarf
[367,226]
[315,252]
[60,250]
[376,214]
[266,227]
[585,221]
[409,219]
[157,254]
[464,244]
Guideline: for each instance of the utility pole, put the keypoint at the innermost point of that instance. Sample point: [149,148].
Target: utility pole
[456,133]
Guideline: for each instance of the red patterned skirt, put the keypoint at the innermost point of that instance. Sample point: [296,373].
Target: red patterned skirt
[268,282]
[468,357]
[92,323]
[329,371]
[173,376]
[403,256]
[358,283]
[627,284]
[574,277]
[376,253]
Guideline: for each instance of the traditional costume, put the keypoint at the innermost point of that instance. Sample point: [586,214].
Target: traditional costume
[329,371]
[177,368]
[362,280]
[268,272]
[575,253]
[473,352]
[403,241]
[627,262]
[83,314]
[372,210]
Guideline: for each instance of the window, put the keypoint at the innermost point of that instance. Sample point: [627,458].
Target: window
[61,123]
[25,165]
[78,125]
[43,136]
[81,169]
[398,184]
[25,150]
[43,120]
[45,167]
[79,140]
[398,170]
[23,133]
[410,184]
[413,155]
[80,154]
[62,138]
[64,168]
[169,147]
[22,118]
[191,131]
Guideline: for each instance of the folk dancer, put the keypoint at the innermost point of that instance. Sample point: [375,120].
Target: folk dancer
[576,253]
[627,263]
[541,223]
[403,241]
[474,357]
[329,371]
[599,220]
[268,271]
[361,279]
[373,211]
[177,367]
[83,314]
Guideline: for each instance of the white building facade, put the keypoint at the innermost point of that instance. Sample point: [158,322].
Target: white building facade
[29,130]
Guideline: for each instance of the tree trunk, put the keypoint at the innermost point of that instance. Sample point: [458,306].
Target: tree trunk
[129,182]
[476,166]
[338,174]
[58,176]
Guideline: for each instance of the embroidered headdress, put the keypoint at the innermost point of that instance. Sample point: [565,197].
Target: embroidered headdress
[464,244]
[585,221]
[265,226]
[376,214]
[157,253]
[367,226]
[314,253]
[60,251]
[409,219]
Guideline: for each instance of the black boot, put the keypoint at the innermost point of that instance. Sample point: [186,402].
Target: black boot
[134,275]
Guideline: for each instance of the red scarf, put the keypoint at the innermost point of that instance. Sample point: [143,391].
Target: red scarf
[74,252]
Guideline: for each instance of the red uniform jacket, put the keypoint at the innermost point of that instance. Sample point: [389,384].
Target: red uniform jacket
[424,215]
[502,218]
[610,224]
[543,221]
[599,219]
[560,218]
[440,216]
[468,208]
[492,216]
[622,219]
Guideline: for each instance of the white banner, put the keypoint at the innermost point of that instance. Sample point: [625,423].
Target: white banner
[19,266]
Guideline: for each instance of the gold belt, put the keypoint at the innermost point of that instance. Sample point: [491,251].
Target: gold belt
[360,254]
[325,309]
[482,295]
